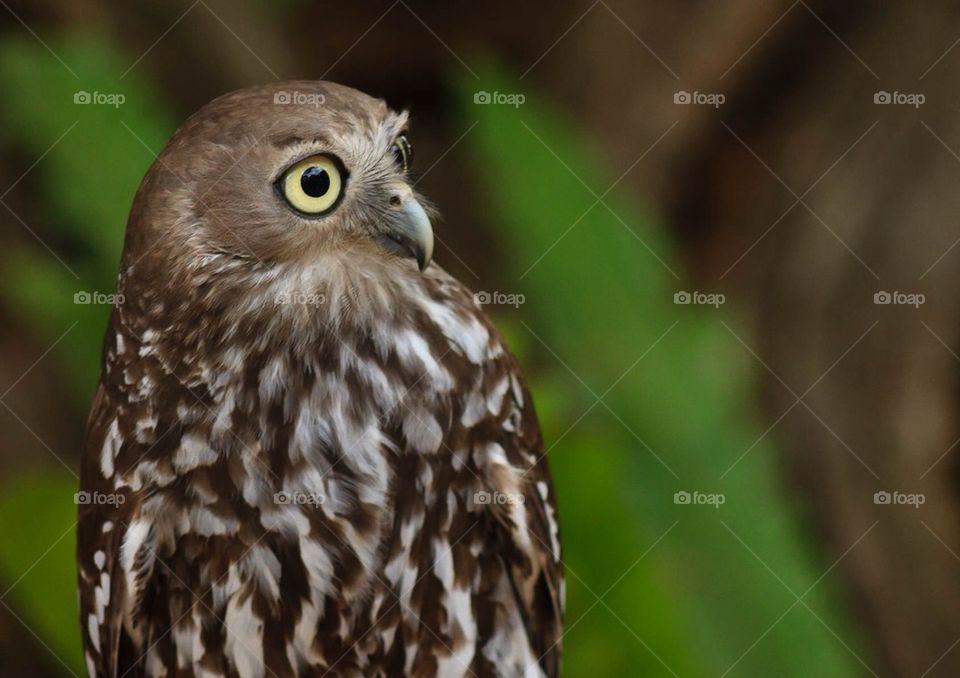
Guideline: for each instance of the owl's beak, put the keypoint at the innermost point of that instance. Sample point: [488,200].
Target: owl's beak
[411,230]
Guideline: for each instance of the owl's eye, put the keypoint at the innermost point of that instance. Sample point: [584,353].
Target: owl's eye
[313,185]
[403,152]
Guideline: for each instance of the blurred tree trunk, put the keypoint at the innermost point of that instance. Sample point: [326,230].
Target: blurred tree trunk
[882,216]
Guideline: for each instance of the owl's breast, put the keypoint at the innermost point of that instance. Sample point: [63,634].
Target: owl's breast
[304,501]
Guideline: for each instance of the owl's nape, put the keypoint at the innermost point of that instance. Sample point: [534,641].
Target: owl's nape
[322,458]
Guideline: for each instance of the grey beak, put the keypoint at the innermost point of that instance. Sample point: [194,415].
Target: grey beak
[412,231]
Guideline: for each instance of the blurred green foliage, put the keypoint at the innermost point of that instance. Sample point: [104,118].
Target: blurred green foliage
[654,588]
[37,521]
[707,590]
[90,175]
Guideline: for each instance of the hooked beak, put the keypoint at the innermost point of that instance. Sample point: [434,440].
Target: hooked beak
[413,232]
[410,229]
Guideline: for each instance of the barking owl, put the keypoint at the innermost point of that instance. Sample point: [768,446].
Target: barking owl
[310,452]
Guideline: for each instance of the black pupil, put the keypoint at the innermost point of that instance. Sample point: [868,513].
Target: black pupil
[315,181]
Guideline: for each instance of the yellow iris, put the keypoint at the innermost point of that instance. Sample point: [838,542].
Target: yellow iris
[313,185]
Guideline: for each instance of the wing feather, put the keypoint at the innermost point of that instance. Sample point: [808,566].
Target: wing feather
[522,508]
[102,524]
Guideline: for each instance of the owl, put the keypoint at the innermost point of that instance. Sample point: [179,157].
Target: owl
[310,452]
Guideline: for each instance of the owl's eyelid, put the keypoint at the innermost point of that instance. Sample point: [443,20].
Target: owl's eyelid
[344,172]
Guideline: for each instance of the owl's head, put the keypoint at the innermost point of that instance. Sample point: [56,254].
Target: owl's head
[281,184]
